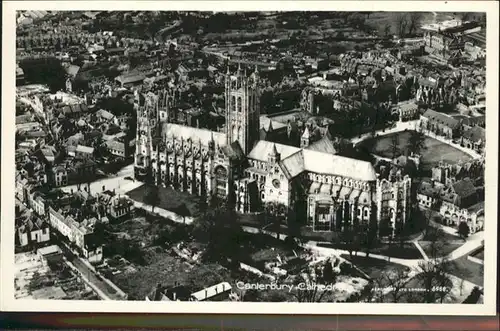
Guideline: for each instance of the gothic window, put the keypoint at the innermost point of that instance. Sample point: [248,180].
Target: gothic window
[235,132]
[240,136]
[239,104]
[220,180]
[233,103]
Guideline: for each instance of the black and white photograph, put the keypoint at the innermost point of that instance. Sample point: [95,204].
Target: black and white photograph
[256,155]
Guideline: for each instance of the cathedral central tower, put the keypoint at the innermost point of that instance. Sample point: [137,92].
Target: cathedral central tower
[242,109]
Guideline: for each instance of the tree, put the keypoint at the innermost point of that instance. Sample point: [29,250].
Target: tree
[274,213]
[152,197]
[463,230]
[416,142]
[219,228]
[395,280]
[306,288]
[436,269]
[387,30]
[394,145]
[183,211]
[401,23]
[414,20]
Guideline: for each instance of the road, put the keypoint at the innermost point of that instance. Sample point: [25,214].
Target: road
[117,182]
[104,290]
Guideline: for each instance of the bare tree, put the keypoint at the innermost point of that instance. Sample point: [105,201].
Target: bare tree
[414,20]
[401,23]
[394,145]
[395,281]
[435,271]
[307,289]
[387,30]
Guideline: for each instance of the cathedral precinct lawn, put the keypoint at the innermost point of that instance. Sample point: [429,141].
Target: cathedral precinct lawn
[446,248]
[479,254]
[435,151]
[468,270]
[169,199]
[405,251]
[375,268]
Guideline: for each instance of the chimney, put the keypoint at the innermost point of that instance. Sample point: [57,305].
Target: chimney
[104,188]
[206,293]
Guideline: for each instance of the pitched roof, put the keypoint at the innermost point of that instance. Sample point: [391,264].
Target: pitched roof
[72,70]
[265,122]
[464,188]
[325,163]
[195,134]
[293,165]
[234,151]
[131,78]
[441,118]
[262,149]
[115,145]
[475,134]
[84,149]
[212,291]
[324,145]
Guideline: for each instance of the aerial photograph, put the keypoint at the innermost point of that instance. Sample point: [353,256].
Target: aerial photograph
[287,156]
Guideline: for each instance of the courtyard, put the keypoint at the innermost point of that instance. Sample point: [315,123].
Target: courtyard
[434,152]
[169,199]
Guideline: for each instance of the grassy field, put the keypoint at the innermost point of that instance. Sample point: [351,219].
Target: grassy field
[463,268]
[450,243]
[435,150]
[406,251]
[446,248]
[479,254]
[374,268]
[169,199]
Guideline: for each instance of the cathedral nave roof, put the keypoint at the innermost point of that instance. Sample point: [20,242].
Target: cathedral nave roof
[195,134]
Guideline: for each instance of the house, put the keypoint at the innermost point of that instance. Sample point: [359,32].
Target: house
[456,199]
[129,80]
[92,248]
[21,187]
[218,292]
[50,254]
[440,124]
[116,148]
[84,152]
[34,231]
[37,203]
[114,205]
[408,111]
[427,194]
[106,116]
[474,138]
[58,176]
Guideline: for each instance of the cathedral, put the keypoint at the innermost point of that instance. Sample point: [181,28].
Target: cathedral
[322,190]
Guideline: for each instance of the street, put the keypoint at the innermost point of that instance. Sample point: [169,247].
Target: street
[107,291]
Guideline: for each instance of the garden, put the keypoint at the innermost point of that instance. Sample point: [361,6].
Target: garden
[434,151]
